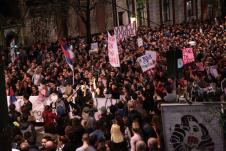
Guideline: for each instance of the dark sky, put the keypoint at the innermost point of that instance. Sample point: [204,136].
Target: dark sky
[9,8]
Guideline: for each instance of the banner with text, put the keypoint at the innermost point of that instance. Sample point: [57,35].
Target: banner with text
[113,51]
[188,55]
[94,47]
[192,127]
[124,32]
[146,62]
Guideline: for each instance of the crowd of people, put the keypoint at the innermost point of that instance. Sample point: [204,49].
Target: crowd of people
[134,122]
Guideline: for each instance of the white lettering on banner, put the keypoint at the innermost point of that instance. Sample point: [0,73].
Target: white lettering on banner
[124,32]
[192,127]
[113,51]
[146,62]
[188,55]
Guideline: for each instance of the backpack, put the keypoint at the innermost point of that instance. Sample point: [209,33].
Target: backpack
[60,108]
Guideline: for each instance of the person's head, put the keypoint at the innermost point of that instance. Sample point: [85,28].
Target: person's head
[85,138]
[131,106]
[44,140]
[141,146]
[24,146]
[12,107]
[50,146]
[152,143]
[135,126]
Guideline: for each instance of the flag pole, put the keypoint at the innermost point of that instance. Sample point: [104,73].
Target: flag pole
[73,80]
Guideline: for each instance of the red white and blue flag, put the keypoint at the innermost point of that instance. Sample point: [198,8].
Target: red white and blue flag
[12,50]
[68,54]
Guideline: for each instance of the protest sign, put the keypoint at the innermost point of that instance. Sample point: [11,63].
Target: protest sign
[146,62]
[188,55]
[124,32]
[213,71]
[94,47]
[140,42]
[192,127]
[18,103]
[152,53]
[113,51]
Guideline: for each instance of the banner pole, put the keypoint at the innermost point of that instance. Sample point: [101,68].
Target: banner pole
[73,80]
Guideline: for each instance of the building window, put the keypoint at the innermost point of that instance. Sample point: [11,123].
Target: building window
[120,18]
[166,10]
[189,8]
[210,11]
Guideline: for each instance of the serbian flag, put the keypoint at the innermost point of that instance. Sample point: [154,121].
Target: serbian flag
[68,54]
[12,50]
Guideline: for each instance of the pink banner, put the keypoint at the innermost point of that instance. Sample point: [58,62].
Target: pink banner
[188,55]
[113,51]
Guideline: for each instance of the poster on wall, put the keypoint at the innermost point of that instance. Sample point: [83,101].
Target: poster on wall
[193,127]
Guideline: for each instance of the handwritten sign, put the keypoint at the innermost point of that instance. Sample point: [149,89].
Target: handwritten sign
[113,51]
[94,47]
[192,127]
[146,62]
[152,53]
[188,55]
[124,32]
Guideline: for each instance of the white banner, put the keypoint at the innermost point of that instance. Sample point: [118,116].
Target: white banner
[193,127]
[124,32]
[140,42]
[152,53]
[146,62]
[94,47]
[113,51]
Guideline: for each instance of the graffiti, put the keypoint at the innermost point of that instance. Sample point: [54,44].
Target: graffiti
[191,135]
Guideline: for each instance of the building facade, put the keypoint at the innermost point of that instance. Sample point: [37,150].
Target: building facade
[165,12]
[45,20]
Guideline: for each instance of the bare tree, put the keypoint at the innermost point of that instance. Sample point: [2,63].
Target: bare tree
[83,8]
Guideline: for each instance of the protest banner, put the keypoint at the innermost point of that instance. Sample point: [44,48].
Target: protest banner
[152,53]
[140,42]
[213,71]
[94,47]
[146,62]
[124,32]
[104,102]
[113,51]
[18,103]
[188,55]
[192,127]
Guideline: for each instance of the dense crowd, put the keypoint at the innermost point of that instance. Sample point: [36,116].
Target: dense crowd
[134,122]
